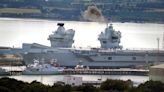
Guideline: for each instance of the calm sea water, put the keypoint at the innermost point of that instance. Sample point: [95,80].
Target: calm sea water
[51,79]
[14,32]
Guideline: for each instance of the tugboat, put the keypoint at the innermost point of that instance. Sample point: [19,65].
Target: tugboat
[41,68]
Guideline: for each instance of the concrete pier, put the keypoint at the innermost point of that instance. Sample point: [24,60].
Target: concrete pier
[107,71]
[128,71]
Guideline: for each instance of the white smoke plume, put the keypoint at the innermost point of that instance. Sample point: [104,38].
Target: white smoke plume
[93,14]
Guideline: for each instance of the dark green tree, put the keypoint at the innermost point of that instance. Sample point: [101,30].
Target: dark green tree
[4,89]
[60,88]
[151,86]
[36,87]
[115,85]
[12,84]
[89,88]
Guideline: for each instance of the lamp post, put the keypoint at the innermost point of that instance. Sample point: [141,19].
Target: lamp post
[157,50]
[158,43]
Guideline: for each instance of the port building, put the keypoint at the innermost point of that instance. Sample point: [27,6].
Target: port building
[157,73]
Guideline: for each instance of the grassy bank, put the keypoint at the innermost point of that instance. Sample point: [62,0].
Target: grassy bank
[19,10]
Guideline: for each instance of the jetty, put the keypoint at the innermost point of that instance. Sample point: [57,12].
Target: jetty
[128,71]
[85,71]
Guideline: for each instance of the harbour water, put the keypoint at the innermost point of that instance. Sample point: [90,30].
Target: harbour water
[14,32]
[51,79]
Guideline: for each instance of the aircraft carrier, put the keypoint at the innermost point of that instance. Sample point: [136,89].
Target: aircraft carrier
[110,55]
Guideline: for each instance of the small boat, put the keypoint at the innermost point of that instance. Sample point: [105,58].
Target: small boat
[40,68]
[81,66]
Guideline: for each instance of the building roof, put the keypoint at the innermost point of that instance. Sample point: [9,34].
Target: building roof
[158,66]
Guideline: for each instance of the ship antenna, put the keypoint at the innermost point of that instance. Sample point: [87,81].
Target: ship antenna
[158,44]
[106,24]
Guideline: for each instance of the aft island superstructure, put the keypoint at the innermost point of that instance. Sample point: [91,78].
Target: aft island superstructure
[109,55]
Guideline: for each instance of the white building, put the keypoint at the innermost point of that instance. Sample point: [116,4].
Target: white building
[72,80]
[157,73]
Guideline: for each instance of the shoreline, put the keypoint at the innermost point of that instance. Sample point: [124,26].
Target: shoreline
[51,20]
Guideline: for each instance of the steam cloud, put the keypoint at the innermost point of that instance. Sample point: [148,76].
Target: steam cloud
[93,14]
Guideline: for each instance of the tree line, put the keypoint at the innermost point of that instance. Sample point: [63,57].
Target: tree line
[13,85]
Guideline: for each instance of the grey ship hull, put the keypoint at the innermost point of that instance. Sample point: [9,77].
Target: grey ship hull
[70,58]
[105,57]
[63,58]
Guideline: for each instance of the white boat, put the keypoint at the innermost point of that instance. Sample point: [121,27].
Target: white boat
[41,68]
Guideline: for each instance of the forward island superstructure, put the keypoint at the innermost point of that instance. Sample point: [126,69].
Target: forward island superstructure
[109,55]
[62,38]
